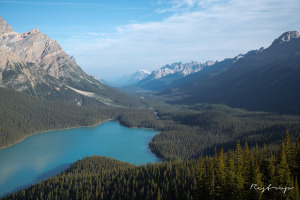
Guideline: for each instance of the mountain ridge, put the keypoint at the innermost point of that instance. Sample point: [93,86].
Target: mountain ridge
[286,37]
[264,79]
[4,27]
[33,63]
[163,77]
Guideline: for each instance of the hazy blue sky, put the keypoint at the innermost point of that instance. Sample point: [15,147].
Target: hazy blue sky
[110,38]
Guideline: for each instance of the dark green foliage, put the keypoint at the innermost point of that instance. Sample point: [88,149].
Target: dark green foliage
[188,133]
[22,115]
[265,80]
[184,133]
[34,80]
[102,178]
[122,98]
[243,175]
[7,75]
[224,176]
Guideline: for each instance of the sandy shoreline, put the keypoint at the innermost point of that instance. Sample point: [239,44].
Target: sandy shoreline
[54,130]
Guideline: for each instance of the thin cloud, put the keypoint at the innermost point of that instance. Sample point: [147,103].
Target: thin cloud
[160,11]
[214,33]
[175,6]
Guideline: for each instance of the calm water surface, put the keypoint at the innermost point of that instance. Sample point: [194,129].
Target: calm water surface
[47,154]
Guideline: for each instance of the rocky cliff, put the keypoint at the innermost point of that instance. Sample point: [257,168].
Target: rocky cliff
[32,62]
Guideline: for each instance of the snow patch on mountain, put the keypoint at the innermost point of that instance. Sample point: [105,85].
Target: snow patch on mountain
[140,74]
[183,69]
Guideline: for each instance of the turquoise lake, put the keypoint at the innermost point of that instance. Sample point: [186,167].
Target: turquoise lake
[43,155]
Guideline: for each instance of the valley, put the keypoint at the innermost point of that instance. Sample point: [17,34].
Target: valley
[238,116]
[260,80]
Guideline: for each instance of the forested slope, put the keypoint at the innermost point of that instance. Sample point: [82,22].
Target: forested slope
[35,64]
[185,132]
[223,176]
[22,115]
[265,80]
[188,133]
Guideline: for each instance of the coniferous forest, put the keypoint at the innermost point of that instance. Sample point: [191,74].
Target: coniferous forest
[194,142]
[185,132]
[239,173]
[22,115]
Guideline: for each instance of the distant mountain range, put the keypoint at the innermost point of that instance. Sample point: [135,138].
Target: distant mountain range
[265,79]
[129,79]
[164,77]
[147,80]
[33,63]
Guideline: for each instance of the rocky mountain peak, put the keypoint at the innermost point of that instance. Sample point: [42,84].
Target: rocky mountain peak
[182,69]
[4,27]
[33,47]
[209,63]
[31,59]
[286,37]
[33,63]
[144,71]
[36,30]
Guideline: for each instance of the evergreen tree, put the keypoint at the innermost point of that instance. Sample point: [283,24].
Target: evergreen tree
[239,178]
[290,152]
[246,166]
[211,180]
[296,190]
[230,171]
[158,195]
[282,168]
[201,180]
[297,162]
[220,175]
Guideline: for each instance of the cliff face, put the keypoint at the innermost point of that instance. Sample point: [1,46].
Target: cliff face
[4,27]
[32,62]
[35,47]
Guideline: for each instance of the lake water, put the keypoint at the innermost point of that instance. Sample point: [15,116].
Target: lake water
[46,154]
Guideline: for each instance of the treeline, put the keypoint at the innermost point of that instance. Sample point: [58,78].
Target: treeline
[185,133]
[238,174]
[188,133]
[22,115]
[51,88]
[260,174]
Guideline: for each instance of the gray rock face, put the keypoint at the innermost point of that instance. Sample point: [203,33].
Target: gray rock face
[34,63]
[4,27]
[182,69]
[33,47]
[171,74]
[286,37]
